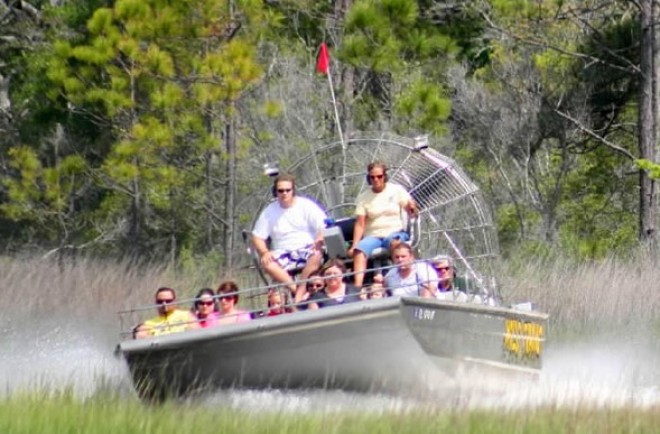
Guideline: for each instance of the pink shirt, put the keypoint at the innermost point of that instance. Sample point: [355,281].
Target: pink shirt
[211,320]
[238,316]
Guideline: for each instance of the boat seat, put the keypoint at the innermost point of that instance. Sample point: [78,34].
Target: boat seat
[339,237]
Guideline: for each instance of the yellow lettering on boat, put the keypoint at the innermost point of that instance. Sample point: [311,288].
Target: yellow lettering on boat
[523,339]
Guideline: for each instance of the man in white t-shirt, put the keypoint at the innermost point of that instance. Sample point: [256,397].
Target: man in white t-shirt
[294,226]
[410,278]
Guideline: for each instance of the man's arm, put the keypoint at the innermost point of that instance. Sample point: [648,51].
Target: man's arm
[261,248]
[429,286]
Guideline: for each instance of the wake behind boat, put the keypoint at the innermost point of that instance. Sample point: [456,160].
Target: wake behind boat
[386,344]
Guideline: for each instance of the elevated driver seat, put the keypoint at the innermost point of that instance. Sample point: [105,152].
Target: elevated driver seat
[339,237]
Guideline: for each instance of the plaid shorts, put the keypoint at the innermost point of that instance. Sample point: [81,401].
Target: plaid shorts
[292,259]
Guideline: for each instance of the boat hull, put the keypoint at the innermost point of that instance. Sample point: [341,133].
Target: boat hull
[389,344]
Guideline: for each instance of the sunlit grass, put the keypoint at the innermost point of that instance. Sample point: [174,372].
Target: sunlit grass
[63,413]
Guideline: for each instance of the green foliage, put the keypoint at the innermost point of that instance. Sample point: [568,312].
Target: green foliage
[162,78]
[39,194]
[426,104]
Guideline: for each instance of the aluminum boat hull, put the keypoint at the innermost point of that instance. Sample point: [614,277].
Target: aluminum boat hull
[376,345]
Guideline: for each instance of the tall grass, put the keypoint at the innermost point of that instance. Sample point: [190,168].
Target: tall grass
[92,286]
[612,292]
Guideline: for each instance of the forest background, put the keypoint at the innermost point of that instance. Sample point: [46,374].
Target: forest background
[139,128]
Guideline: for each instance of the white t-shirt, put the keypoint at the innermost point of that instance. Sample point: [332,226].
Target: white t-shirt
[290,228]
[383,210]
[422,273]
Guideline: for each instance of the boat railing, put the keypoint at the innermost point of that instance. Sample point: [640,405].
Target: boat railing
[254,300]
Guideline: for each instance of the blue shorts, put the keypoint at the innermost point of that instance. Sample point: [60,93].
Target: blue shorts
[368,244]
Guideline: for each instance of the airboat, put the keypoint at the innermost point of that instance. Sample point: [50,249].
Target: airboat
[391,344]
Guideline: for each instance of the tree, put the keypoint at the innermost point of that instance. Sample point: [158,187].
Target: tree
[587,70]
[162,77]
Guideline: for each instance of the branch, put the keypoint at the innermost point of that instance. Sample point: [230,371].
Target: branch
[595,135]
[536,43]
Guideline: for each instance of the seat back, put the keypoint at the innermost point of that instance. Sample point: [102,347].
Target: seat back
[339,237]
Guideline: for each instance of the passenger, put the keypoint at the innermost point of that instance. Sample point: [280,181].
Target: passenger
[377,288]
[228,296]
[275,305]
[379,219]
[295,226]
[410,278]
[315,283]
[169,319]
[450,286]
[336,290]
[205,308]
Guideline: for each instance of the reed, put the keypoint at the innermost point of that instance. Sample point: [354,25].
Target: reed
[612,292]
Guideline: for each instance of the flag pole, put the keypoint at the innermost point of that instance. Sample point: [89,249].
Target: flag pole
[323,66]
[334,103]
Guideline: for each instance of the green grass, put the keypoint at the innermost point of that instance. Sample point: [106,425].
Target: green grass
[64,413]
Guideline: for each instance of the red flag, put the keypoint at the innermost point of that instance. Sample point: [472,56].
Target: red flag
[323,60]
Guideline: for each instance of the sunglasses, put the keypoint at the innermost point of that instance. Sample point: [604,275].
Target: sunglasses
[205,303]
[226,297]
[284,190]
[376,176]
[164,301]
[315,285]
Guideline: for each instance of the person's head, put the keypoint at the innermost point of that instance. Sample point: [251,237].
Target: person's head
[227,295]
[164,299]
[377,288]
[444,266]
[315,283]
[205,303]
[284,189]
[403,256]
[377,175]
[275,303]
[333,273]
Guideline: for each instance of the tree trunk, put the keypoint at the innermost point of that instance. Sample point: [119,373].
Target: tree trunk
[230,192]
[647,123]
[208,231]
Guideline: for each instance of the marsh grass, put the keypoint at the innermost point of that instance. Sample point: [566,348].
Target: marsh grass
[580,298]
[588,296]
[84,286]
[613,292]
[62,412]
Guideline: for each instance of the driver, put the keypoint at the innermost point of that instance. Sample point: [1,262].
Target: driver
[294,225]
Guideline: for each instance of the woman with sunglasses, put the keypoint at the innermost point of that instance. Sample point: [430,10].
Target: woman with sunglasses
[379,218]
[336,290]
[205,308]
[228,299]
